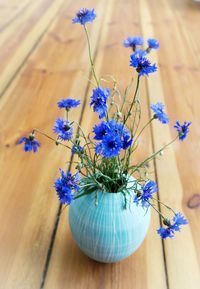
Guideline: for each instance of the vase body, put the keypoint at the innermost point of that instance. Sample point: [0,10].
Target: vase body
[108,232]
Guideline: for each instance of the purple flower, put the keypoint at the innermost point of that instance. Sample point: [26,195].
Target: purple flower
[63,128]
[133,42]
[141,63]
[68,103]
[126,140]
[99,98]
[170,229]
[113,137]
[101,130]
[30,143]
[159,113]
[110,146]
[182,130]
[84,15]
[143,197]
[77,149]
[65,186]
[153,43]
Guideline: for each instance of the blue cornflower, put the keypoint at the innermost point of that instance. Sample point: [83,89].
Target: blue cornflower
[115,126]
[77,149]
[122,132]
[159,113]
[65,186]
[68,103]
[84,15]
[153,43]
[133,42]
[127,140]
[183,129]
[63,128]
[110,146]
[170,230]
[99,98]
[30,143]
[141,63]
[143,197]
[101,130]
[107,130]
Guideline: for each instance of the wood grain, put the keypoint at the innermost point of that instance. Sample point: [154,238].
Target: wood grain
[68,266]
[21,33]
[28,201]
[44,58]
[176,172]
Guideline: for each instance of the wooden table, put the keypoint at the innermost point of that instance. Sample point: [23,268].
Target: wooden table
[44,58]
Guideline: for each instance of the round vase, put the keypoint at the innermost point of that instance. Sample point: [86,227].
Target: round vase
[108,232]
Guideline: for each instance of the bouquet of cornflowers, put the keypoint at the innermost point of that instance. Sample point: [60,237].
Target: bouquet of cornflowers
[105,158]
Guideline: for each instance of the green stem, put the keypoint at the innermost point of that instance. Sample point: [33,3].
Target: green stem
[169,208]
[143,129]
[49,137]
[90,56]
[66,114]
[133,102]
[152,156]
[85,138]
[125,93]
[79,196]
[156,210]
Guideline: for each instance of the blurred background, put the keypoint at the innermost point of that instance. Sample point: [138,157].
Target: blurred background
[44,58]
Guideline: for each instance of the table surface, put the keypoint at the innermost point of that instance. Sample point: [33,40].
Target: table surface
[44,58]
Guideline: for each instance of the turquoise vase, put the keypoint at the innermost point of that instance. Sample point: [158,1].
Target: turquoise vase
[108,232]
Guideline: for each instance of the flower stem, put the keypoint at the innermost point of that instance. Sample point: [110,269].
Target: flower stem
[49,137]
[125,94]
[143,129]
[169,208]
[133,101]
[162,216]
[152,156]
[90,56]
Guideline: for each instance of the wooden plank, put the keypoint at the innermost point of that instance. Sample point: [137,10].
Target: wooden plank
[187,15]
[10,11]
[68,266]
[21,32]
[28,201]
[177,86]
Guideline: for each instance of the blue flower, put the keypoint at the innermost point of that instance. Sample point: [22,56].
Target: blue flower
[110,146]
[183,129]
[68,103]
[30,143]
[63,128]
[141,63]
[159,113]
[143,197]
[169,231]
[101,130]
[133,42]
[116,127]
[99,98]
[108,130]
[153,43]
[126,140]
[65,186]
[77,149]
[84,15]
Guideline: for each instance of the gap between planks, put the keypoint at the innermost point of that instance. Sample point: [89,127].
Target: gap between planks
[28,47]
[156,93]
[57,218]
[47,282]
